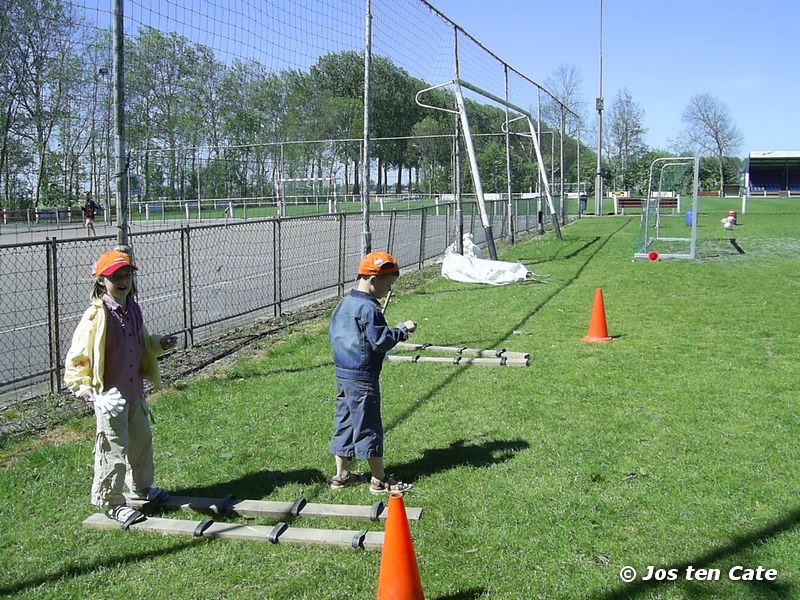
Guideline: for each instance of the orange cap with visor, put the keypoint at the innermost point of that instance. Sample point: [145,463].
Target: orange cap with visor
[112,261]
[378,263]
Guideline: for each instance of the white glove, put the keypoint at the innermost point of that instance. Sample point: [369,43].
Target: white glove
[110,403]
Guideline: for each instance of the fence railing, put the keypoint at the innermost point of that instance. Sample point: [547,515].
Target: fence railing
[197,281]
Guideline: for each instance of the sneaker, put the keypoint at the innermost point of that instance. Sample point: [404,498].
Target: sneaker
[339,483]
[125,515]
[387,486]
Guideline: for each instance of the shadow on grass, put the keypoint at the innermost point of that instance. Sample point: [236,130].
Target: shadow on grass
[573,254]
[460,453]
[233,375]
[406,414]
[254,485]
[80,570]
[772,589]
[470,594]
[737,246]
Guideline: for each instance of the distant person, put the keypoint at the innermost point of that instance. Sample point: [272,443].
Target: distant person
[90,210]
[360,339]
[110,355]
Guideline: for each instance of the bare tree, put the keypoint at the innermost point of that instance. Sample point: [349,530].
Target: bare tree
[626,131]
[709,127]
[565,83]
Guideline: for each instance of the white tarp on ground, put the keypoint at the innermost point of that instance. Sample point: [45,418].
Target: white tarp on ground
[472,268]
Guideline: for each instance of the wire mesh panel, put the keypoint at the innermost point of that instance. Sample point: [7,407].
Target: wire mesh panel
[498,215]
[352,247]
[230,271]
[524,219]
[379,224]
[159,258]
[24,319]
[405,237]
[309,257]
[436,234]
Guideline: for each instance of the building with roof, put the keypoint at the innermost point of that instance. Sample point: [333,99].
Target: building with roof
[773,173]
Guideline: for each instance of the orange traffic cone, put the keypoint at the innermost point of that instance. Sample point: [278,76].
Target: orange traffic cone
[399,577]
[598,331]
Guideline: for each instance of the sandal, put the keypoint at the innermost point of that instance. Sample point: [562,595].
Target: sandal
[153,495]
[125,515]
[339,483]
[388,485]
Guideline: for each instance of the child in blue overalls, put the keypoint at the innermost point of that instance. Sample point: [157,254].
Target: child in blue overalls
[360,338]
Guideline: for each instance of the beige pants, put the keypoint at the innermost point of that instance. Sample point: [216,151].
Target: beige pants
[123,453]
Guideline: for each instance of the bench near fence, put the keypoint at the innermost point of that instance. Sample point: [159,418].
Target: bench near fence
[621,203]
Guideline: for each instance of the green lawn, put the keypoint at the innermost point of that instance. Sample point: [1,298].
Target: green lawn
[675,445]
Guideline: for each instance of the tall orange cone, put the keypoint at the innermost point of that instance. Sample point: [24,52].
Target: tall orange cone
[399,577]
[598,331]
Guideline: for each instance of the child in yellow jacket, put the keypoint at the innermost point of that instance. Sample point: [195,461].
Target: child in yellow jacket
[110,356]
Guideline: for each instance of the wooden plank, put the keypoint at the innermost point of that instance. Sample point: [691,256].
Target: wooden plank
[465,360]
[275,509]
[255,533]
[462,351]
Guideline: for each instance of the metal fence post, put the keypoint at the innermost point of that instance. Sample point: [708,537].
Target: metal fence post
[184,290]
[56,319]
[342,258]
[277,292]
[422,213]
[390,244]
[188,308]
[49,291]
[527,214]
[446,227]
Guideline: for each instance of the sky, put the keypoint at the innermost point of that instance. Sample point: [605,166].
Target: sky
[743,53]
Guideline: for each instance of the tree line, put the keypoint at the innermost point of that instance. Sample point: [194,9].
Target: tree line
[708,130]
[193,121]
[197,126]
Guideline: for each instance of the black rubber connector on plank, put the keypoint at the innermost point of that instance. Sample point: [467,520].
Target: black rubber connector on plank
[376,511]
[202,526]
[456,360]
[460,350]
[500,352]
[297,507]
[277,532]
[358,539]
[225,506]
[503,361]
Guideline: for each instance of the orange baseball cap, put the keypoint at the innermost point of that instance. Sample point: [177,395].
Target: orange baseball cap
[112,261]
[378,263]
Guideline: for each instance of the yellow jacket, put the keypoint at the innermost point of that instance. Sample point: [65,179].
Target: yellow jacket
[84,366]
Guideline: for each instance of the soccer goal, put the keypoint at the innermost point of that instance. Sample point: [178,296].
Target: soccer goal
[306,195]
[663,227]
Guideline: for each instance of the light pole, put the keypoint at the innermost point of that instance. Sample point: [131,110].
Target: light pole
[107,215]
[598,188]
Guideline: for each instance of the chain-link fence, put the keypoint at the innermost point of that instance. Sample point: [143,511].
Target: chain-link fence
[199,281]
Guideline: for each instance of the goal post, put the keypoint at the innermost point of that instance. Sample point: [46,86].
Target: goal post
[661,235]
[463,120]
[300,193]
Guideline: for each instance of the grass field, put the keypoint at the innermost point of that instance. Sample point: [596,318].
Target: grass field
[676,445]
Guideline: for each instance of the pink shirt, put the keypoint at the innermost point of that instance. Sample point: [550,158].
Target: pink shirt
[124,348]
